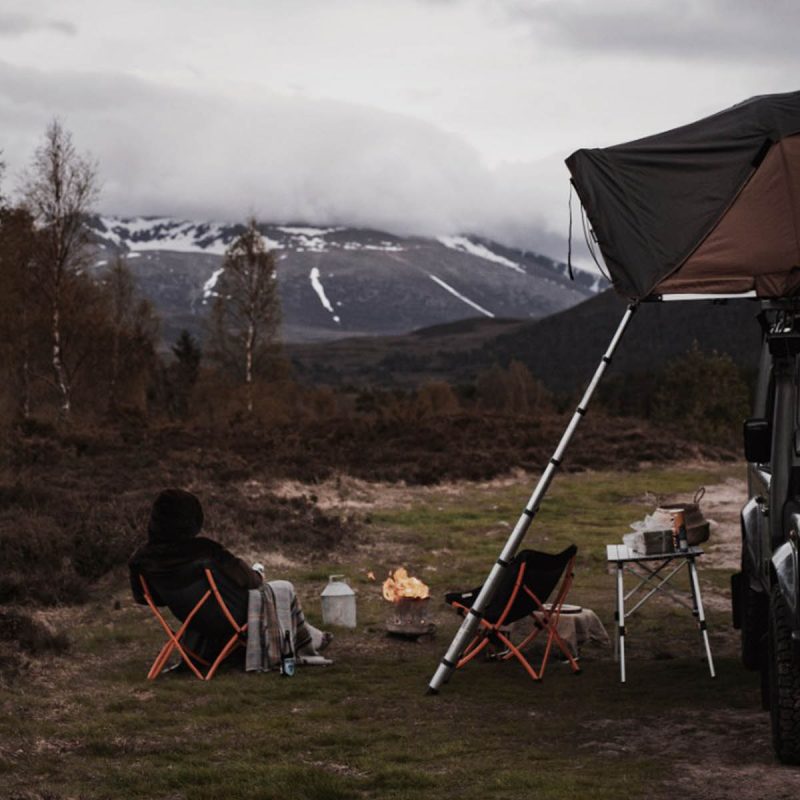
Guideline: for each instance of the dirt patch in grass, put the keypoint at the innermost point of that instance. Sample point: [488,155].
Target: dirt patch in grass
[722,505]
[724,752]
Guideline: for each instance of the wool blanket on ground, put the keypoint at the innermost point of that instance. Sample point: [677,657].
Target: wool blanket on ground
[576,626]
[271,611]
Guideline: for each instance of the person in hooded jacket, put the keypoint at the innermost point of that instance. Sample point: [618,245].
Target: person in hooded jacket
[172,559]
[173,545]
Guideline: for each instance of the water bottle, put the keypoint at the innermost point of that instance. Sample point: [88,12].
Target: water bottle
[287,656]
[683,540]
[679,538]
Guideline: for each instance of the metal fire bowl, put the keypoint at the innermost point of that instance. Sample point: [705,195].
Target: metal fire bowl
[409,618]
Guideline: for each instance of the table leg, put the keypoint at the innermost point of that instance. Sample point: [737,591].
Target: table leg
[621,620]
[701,617]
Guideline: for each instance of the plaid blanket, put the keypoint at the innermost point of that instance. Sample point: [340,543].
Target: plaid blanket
[271,611]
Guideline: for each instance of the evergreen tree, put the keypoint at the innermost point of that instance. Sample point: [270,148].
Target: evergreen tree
[184,372]
[134,329]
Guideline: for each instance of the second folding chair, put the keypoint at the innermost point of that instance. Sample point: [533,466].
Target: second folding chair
[530,580]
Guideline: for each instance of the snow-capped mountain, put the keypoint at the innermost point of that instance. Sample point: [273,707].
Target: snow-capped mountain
[340,281]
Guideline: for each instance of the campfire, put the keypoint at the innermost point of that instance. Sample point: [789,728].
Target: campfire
[401,585]
[409,597]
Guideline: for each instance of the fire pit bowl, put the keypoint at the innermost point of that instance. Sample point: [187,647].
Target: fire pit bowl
[409,618]
[409,598]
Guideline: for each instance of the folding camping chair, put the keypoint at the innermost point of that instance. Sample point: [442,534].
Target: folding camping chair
[529,581]
[209,617]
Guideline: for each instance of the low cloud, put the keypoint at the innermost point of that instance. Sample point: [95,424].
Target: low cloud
[284,158]
[727,30]
[21,24]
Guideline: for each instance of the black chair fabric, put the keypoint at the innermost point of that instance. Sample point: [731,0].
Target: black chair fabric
[181,590]
[543,571]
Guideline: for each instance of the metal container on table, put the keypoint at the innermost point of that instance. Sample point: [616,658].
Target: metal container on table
[649,542]
[697,526]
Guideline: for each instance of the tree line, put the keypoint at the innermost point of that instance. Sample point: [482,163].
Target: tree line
[71,337]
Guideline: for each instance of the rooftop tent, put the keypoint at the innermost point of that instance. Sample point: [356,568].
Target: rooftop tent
[711,207]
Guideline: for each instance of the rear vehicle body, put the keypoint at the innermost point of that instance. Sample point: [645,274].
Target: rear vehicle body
[766,593]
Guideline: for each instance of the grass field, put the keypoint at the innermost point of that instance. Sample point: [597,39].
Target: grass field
[88,724]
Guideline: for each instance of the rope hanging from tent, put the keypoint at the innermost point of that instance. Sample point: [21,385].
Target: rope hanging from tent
[569,237]
[588,236]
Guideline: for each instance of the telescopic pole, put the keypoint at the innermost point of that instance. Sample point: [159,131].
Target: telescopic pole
[472,619]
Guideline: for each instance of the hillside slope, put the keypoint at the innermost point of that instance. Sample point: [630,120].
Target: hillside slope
[561,350]
[564,349]
[341,282]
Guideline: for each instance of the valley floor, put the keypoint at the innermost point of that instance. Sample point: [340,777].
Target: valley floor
[88,725]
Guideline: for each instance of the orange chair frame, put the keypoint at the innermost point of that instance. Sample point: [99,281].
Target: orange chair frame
[174,638]
[545,618]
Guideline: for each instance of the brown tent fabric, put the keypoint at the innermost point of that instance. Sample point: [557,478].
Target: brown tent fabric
[756,244]
[709,207]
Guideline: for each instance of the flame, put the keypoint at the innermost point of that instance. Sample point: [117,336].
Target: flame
[399,585]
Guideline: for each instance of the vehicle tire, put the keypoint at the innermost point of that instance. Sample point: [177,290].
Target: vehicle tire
[784,683]
[754,616]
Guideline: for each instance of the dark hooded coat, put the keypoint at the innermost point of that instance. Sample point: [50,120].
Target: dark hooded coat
[173,547]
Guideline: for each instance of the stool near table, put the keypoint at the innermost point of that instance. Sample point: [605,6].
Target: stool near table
[655,571]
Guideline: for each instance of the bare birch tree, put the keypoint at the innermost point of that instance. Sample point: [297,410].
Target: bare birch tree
[247,307]
[59,190]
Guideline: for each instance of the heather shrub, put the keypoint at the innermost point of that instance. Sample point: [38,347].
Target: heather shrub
[23,637]
[437,399]
[296,524]
[31,636]
[513,390]
[55,543]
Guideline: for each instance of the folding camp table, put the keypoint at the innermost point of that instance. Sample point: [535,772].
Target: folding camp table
[655,571]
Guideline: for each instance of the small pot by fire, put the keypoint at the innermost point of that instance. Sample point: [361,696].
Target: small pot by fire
[409,598]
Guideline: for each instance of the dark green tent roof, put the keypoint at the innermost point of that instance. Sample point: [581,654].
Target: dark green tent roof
[653,202]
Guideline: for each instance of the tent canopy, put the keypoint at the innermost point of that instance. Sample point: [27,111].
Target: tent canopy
[710,207]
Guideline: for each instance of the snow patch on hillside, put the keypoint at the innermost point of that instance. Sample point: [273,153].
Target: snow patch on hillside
[386,247]
[464,245]
[460,296]
[316,284]
[142,234]
[306,231]
[208,286]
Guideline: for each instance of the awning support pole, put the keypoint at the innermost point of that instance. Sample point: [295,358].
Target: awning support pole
[468,627]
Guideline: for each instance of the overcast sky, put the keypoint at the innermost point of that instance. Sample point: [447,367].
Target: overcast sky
[426,116]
